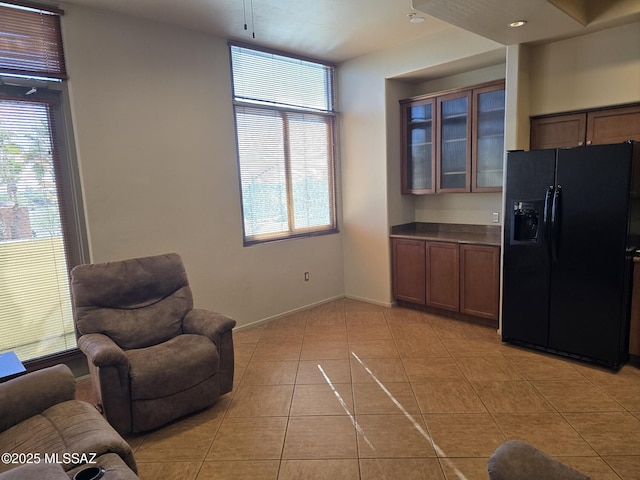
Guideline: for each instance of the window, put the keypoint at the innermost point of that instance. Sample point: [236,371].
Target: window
[41,227]
[285,127]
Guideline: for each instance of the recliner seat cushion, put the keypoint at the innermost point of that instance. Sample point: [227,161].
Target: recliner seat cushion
[159,371]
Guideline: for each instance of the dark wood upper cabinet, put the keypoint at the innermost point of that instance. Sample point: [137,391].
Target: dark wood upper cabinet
[453,149]
[487,145]
[613,126]
[595,127]
[561,131]
[418,146]
[454,141]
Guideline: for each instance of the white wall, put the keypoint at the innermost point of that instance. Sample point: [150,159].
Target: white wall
[594,70]
[154,129]
[464,208]
[153,119]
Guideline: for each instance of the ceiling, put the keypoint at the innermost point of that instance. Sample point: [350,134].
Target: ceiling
[331,30]
[545,19]
[338,30]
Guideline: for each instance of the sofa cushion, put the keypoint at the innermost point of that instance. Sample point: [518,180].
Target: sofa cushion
[516,460]
[159,371]
[69,427]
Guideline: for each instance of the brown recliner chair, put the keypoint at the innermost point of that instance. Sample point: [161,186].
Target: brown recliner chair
[152,356]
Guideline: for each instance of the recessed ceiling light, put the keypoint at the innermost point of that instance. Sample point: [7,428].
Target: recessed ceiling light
[413,18]
[518,23]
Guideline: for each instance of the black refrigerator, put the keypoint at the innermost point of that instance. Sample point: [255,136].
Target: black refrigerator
[570,233]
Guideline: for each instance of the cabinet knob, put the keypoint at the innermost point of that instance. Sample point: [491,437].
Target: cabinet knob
[588,142]
[580,144]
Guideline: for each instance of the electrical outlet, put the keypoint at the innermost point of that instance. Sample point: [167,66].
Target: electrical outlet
[306,276]
[495,217]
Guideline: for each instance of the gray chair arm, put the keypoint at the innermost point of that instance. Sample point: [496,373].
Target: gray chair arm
[109,366]
[515,460]
[219,329]
[204,322]
[102,351]
[31,394]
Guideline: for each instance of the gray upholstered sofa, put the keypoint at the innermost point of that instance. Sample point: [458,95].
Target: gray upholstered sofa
[47,434]
[153,358]
[516,460]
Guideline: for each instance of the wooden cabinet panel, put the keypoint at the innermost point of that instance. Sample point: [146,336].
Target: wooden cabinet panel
[560,131]
[409,273]
[480,281]
[595,127]
[613,126]
[461,278]
[443,277]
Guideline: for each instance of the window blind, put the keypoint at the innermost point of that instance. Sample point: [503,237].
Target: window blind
[273,79]
[31,41]
[35,310]
[285,126]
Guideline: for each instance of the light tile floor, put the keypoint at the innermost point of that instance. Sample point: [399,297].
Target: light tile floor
[349,390]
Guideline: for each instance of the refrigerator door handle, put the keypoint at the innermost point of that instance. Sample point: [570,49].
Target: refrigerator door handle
[546,219]
[555,224]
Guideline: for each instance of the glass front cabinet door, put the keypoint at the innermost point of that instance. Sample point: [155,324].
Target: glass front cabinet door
[454,141]
[418,129]
[488,139]
[454,146]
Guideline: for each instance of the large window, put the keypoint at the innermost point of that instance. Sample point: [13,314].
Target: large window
[41,227]
[285,126]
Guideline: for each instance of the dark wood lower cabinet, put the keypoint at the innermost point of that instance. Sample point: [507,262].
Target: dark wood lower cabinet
[443,277]
[480,281]
[459,279]
[409,268]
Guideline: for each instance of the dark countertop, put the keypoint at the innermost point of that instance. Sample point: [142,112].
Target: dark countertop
[449,232]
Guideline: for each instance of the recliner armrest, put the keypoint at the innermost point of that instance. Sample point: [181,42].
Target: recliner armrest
[208,323]
[33,393]
[102,351]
